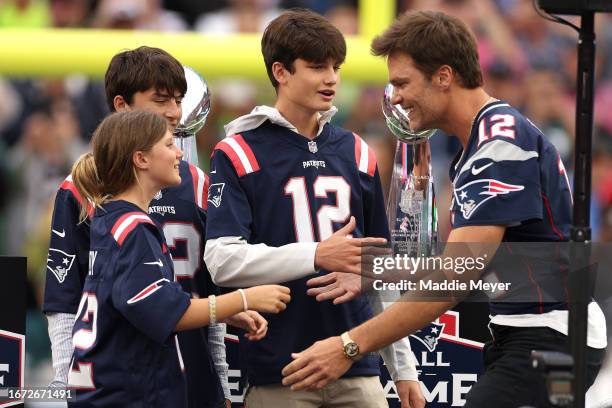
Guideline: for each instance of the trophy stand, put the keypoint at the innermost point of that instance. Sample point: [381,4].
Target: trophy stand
[411,208]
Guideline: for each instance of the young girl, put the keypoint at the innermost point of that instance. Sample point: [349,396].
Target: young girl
[126,352]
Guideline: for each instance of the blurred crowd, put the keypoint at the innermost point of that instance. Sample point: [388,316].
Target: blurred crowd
[45,124]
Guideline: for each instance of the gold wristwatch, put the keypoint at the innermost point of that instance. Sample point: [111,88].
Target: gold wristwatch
[351,349]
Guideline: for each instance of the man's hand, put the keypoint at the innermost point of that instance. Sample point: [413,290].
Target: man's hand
[339,286]
[341,252]
[317,366]
[255,325]
[410,394]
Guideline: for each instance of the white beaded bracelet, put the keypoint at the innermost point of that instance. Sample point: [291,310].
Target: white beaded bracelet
[212,309]
[244,301]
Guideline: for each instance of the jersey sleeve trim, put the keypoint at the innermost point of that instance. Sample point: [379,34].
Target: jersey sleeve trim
[200,186]
[240,154]
[126,224]
[148,291]
[364,156]
[68,184]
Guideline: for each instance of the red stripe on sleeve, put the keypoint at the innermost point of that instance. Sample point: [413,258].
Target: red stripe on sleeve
[205,192]
[69,185]
[371,162]
[194,181]
[357,149]
[130,228]
[231,154]
[121,219]
[247,151]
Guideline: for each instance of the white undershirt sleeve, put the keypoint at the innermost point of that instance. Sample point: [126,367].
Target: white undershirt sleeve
[232,262]
[60,333]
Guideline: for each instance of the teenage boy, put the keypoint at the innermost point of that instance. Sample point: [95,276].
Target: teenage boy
[281,183]
[149,79]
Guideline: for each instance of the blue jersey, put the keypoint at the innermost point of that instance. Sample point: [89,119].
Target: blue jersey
[511,175]
[126,353]
[273,186]
[181,212]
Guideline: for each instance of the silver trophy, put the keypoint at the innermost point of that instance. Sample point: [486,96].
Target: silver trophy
[196,107]
[411,207]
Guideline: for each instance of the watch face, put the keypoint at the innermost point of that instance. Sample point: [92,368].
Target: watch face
[352,349]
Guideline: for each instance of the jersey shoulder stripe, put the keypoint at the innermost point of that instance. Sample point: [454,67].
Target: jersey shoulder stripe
[126,224]
[364,156]
[68,185]
[200,185]
[240,154]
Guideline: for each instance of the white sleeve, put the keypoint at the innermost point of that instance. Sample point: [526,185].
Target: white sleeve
[232,262]
[60,333]
[397,356]
[216,344]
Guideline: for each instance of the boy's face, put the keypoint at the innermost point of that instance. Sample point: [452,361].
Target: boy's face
[157,101]
[311,85]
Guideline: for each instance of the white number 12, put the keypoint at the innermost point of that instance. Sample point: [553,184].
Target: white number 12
[327,214]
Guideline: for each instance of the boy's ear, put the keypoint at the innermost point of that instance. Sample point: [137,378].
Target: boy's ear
[120,104]
[280,72]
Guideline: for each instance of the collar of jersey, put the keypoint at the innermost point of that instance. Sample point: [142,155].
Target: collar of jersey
[262,113]
[117,205]
[457,162]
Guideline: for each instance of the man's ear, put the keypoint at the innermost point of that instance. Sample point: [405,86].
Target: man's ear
[280,72]
[120,104]
[141,160]
[444,76]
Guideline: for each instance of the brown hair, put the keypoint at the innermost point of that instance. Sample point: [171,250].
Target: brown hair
[109,170]
[433,39]
[301,33]
[142,69]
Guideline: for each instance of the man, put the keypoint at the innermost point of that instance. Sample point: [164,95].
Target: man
[281,184]
[149,79]
[509,185]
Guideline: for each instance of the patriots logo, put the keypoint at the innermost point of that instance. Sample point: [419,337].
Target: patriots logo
[59,263]
[475,193]
[429,335]
[215,192]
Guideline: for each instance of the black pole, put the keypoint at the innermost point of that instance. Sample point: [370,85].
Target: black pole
[581,231]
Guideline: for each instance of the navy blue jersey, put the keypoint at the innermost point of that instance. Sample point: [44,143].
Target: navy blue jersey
[511,175]
[271,185]
[125,350]
[181,212]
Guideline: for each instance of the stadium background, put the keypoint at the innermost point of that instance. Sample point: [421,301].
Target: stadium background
[53,54]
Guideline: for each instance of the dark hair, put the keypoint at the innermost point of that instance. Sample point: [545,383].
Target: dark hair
[141,69]
[109,170]
[301,33]
[433,39]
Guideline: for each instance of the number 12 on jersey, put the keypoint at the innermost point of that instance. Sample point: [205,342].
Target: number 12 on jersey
[327,214]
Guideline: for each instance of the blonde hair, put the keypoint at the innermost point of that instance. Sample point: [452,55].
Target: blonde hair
[109,169]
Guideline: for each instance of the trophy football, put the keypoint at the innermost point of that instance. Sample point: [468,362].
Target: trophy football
[196,106]
[411,207]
